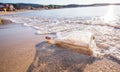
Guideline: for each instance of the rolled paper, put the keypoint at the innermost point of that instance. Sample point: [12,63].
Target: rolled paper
[76,41]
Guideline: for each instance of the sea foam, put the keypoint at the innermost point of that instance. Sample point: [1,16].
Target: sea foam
[107,34]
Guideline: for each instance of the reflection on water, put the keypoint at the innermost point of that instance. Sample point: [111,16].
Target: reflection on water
[50,58]
[110,16]
[74,12]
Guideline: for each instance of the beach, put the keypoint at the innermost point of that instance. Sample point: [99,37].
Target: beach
[17,47]
[23,47]
[20,49]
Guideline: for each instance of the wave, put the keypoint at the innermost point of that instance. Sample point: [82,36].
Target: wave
[107,34]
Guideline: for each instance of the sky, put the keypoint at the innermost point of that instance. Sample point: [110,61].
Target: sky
[60,2]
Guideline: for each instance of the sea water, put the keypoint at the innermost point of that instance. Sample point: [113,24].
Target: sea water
[103,21]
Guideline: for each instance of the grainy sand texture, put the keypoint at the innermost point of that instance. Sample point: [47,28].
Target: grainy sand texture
[23,50]
[17,47]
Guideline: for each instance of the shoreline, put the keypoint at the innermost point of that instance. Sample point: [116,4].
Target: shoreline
[18,11]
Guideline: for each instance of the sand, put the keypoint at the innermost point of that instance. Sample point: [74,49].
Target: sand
[103,65]
[21,50]
[17,47]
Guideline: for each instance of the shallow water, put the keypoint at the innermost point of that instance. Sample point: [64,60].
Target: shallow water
[74,12]
[104,22]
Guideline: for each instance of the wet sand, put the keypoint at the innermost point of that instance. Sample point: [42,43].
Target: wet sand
[51,58]
[17,47]
[21,50]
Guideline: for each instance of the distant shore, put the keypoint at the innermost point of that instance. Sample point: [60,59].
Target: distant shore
[13,12]
[27,7]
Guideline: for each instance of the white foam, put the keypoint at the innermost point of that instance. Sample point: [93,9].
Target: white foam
[104,32]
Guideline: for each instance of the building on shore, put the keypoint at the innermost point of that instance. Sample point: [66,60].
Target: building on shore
[6,7]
